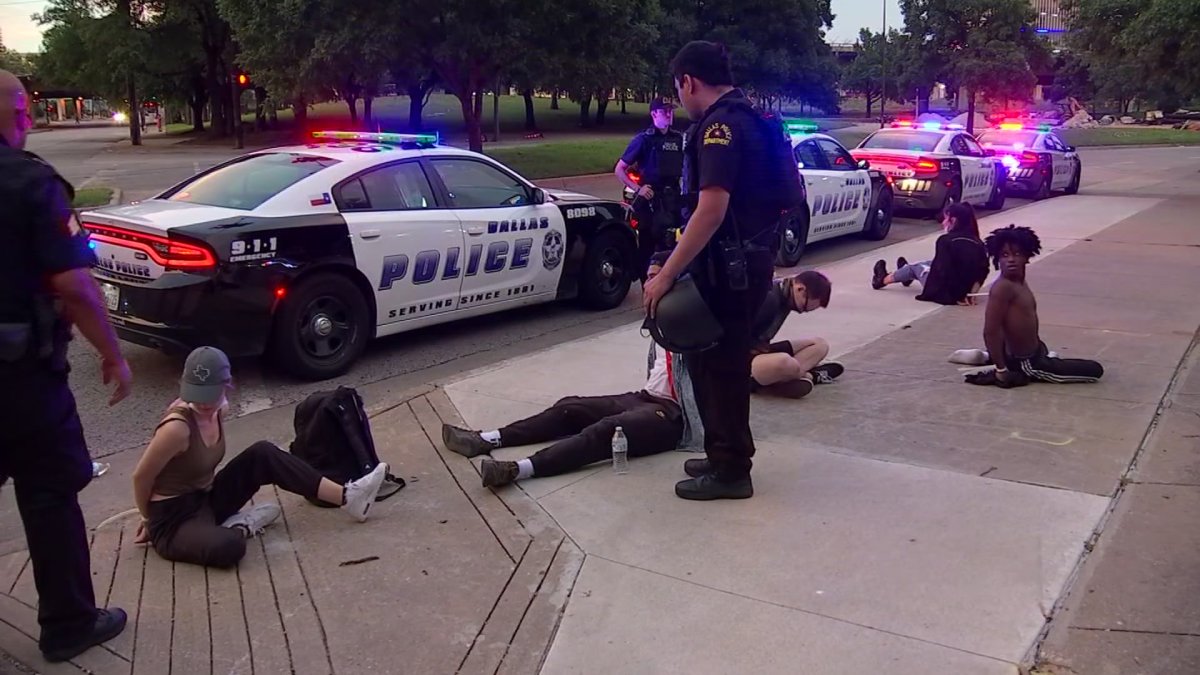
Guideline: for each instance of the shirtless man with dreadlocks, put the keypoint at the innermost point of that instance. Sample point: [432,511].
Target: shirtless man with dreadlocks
[1010,328]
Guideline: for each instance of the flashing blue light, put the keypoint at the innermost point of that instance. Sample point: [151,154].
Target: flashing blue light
[92,245]
[932,126]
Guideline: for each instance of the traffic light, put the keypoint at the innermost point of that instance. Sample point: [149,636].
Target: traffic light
[243,81]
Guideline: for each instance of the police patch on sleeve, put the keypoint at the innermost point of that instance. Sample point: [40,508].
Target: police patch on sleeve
[718,133]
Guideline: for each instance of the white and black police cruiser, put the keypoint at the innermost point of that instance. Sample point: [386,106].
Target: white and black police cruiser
[304,253]
[1039,162]
[845,196]
[933,164]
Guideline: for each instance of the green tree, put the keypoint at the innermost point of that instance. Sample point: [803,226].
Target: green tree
[874,58]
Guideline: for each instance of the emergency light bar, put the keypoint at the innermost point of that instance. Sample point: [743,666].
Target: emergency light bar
[376,137]
[928,126]
[1017,126]
[800,127]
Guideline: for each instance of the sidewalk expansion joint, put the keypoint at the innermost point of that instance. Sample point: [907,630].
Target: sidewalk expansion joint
[1164,403]
[1132,631]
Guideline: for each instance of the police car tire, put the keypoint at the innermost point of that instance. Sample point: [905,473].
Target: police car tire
[1073,188]
[952,197]
[797,223]
[596,290]
[996,202]
[1043,191]
[874,230]
[287,348]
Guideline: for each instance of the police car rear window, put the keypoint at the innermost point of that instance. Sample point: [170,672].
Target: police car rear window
[1006,137]
[920,141]
[248,182]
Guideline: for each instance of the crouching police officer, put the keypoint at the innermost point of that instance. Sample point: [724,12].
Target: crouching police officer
[740,170]
[45,286]
[658,154]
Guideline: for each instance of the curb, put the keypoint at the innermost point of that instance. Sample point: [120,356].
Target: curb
[116,197]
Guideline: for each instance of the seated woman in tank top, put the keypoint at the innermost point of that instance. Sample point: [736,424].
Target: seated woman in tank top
[191,512]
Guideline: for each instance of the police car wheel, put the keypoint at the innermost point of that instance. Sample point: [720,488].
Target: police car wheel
[996,201]
[1073,188]
[607,271]
[321,328]
[793,239]
[879,223]
[952,197]
[1043,191]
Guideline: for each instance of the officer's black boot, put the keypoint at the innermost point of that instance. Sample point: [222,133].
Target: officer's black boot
[109,624]
[708,487]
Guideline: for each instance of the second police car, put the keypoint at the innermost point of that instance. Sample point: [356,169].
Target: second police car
[932,165]
[1038,161]
[306,252]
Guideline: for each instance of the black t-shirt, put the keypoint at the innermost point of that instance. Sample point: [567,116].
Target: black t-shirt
[658,155]
[40,232]
[959,262]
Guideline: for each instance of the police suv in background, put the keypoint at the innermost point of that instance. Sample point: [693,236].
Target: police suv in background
[1038,161]
[306,252]
[845,196]
[932,165]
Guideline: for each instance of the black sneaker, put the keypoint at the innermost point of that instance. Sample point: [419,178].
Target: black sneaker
[708,487]
[878,275]
[464,442]
[789,389]
[697,467]
[498,474]
[827,372]
[109,624]
[903,262]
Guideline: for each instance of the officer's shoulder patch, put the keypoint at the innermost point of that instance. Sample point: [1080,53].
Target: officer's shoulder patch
[718,133]
[72,224]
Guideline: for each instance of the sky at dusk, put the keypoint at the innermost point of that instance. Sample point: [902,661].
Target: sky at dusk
[21,34]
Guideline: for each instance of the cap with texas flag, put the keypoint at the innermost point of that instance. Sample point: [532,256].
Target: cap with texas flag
[206,374]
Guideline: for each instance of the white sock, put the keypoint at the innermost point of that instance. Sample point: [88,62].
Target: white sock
[492,437]
[524,469]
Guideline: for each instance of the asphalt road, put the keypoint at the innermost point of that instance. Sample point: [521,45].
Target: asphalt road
[96,156]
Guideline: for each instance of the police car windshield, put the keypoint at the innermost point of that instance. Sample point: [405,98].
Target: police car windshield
[1009,137]
[248,182]
[919,141]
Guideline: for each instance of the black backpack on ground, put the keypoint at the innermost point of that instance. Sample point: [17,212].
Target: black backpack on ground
[333,434]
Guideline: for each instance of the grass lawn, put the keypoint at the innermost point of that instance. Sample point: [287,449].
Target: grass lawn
[1129,136]
[92,196]
[563,158]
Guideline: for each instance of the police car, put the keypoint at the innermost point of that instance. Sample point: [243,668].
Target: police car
[845,196]
[1038,161]
[306,252]
[932,165]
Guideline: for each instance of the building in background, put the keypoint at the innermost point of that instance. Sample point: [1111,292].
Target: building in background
[1050,20]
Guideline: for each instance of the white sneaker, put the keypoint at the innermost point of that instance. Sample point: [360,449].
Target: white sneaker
[970,357]
[254,519]
[360,494]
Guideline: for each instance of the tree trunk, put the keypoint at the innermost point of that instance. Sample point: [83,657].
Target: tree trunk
[368,117]
[624,100]
[554,99]
[135,113]
[971,111]
[416,104]
[585,111]
[496,112]
[870,102]
[601,106]
[273,116]
[530,121]
[260,106]
[300,113]
[468,100]
[352,103]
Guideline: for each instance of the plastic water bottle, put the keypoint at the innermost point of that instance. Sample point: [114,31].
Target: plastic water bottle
[620,452]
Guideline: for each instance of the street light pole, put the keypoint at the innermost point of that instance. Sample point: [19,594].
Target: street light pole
[883,68]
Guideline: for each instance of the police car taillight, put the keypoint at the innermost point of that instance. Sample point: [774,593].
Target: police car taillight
[927,167]
[170,253]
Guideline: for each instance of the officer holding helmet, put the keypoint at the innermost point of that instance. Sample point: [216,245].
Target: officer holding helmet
[46,285]
[740,174]
[657,152]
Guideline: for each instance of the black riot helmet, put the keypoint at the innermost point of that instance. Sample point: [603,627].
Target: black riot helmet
[683,322]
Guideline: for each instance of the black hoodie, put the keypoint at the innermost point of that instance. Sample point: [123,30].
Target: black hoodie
[959,262]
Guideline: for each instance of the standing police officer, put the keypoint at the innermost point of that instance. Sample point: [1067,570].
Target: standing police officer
[658,154]
[740,173]
[45,286]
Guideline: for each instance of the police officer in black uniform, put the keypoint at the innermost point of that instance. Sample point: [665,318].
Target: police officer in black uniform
[45,286]
[658,154]
[740,176]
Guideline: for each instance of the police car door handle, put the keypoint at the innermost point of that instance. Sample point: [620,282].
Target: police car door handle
[369,234]
[475,230]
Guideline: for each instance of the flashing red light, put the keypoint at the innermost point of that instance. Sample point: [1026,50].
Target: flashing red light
[280,292]
[926,165]
[169,253]
[903,124]
[635,177]
[243,79]
[1029,158]
[1012,126]
[633,222]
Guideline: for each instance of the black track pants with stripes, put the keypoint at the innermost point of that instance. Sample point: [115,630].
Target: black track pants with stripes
[1043,368]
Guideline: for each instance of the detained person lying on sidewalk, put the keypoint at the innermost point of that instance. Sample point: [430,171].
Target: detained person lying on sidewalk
[959,266]
[192,512]
[1011,328]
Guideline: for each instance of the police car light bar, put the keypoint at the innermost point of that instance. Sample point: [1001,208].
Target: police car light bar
[1017,126]
[376,137]
[800,127]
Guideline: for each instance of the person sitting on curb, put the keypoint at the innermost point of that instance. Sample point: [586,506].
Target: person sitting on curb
[790,368]
[959,266]
[190,511]
[1010,328]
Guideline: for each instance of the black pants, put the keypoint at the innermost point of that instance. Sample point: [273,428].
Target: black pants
[188,528]
[43,450]
[1043,368]
[721,375]
[655,217]
[586,425]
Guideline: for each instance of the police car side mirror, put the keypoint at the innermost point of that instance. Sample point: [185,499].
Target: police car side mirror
[1070,148]
[990,152]
[864,164]
[539,196]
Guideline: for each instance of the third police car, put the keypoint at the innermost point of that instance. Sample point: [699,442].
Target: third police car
[933,164]
[845,196]
[1038,161]
[306,252]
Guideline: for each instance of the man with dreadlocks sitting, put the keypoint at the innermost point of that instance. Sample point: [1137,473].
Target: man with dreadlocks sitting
[1010,328]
